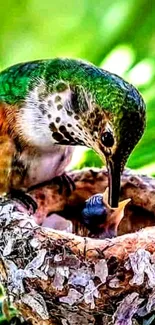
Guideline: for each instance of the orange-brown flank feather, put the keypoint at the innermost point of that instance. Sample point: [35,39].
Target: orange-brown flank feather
[7,148]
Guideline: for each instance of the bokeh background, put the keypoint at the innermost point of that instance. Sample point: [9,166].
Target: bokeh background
[118,35]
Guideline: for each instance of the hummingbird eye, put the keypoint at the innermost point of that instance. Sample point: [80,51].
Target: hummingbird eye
[107,139]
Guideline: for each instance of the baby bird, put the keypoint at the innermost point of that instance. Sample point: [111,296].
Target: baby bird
[100,219]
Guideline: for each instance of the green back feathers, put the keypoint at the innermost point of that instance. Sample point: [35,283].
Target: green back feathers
[15,81]
[102,85]
[107,90]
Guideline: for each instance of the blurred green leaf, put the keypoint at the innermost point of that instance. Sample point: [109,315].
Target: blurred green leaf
[89,159]
[116,34]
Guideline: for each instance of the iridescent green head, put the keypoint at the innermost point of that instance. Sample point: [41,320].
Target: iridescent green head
[110,111]
[70,102]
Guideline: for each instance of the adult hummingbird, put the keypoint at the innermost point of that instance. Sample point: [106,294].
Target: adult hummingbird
[49,106]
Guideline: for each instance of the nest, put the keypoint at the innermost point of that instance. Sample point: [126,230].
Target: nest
[58,277]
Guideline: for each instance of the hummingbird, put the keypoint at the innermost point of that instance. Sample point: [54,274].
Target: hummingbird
[49,106]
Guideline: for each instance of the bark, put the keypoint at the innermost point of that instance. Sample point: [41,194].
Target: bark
[53,277]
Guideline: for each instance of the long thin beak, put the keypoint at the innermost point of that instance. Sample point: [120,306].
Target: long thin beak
[114,175]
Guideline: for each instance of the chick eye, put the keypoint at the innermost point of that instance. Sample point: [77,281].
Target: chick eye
[107,139]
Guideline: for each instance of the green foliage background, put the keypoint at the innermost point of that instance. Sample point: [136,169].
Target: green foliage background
[116,34]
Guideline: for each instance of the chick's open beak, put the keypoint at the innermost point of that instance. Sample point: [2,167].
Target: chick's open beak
[114,217]
[114,174]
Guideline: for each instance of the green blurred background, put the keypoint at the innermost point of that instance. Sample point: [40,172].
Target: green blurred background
[118,35]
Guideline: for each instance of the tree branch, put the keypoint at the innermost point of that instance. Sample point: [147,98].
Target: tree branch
[54,277]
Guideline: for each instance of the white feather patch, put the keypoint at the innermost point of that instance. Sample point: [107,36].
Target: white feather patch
[34,124]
